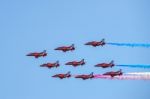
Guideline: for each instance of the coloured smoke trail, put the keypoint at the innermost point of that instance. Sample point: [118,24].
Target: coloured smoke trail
[127,76]
[135,66]
[139,73]
[130,44]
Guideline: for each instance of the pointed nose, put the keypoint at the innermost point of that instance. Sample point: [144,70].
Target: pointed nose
[96,65]
[56,49]
[86,43]
[54,76]
[28,55]
[67,64]
[42,65]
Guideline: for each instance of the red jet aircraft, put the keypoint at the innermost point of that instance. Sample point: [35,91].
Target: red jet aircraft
[112,73]
[84,77]
[76,63]
[96,43]
[38,54]
[66,48]
[106,65]
[51,65]
[61,76]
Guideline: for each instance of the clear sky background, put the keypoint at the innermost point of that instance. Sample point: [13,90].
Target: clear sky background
[34,25]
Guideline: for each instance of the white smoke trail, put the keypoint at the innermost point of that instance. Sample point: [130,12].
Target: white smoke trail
[128,76]
[139,73]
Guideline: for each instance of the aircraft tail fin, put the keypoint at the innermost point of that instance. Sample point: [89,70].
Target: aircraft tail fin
[57,62]
[68,73]
[112,62]
[44,51]
[120,70]
[92,74]
[72,45]
[82,60]
[103,40]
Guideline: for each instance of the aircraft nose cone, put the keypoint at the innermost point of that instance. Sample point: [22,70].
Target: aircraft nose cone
[67,64]
[42,65]
[96,65]
[54,76]
[86,44]
[27,54]
[56,49]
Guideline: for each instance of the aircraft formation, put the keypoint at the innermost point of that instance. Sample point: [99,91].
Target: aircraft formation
[76,63]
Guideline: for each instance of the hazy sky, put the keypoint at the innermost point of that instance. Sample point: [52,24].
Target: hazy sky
[37,25]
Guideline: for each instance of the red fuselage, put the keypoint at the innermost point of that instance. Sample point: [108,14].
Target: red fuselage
[105,65]
[50,65]
[37,55]
[61,76]
[112,74]
[65,48]
[75,63]
[84,77]
[95,43]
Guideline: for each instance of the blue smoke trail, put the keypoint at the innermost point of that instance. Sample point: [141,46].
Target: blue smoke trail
[130,45]
[135,66]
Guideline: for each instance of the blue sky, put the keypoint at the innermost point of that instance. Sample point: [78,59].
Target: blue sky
[35,25]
